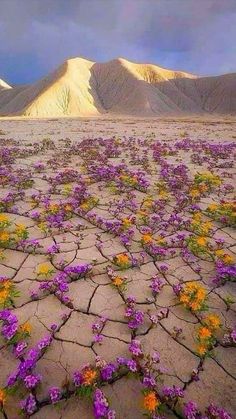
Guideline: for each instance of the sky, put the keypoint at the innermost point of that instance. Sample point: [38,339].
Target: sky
[36,36]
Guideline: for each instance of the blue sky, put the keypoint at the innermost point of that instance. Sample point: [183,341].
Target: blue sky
[192,35]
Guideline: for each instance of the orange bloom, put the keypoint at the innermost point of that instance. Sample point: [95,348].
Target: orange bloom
[201,349]
[150,401]
[117,281]
[212,321]
[26,327]
[122,259]
[89,376]
[204,333]
[2,396]
[146,238]
[202,241]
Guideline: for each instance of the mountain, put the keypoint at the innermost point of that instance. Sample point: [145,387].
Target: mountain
[83,88]
[4,85]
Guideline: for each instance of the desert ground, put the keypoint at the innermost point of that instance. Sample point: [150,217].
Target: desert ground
[117,252]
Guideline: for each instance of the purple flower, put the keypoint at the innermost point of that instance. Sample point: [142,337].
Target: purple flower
[54,394]
[101,407]
[132,365]
[156,357]
[190,410]
[77,378]
[97,338]
[107,372]
[44,342]
[149,382]
[177,288]
[218,412]
[172,392]
[31,381]
[19,348]
[156,285]
[135,347]
[29,404]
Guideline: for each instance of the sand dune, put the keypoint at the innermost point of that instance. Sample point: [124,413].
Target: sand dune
[83,88]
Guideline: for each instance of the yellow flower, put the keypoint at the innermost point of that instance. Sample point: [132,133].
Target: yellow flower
[227,259]
[68,207]
[197,216]
[148,203]
[151,401]
[212,207]
[53,208]
[194,193]
[4,294]
[219,252]
[20,228]
[84,206]
[4,218]
[44,269]
[4,236]
[126,222]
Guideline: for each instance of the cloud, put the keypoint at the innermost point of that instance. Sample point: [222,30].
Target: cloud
[194,35]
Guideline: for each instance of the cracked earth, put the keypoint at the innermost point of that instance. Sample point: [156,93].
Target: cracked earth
[97,231]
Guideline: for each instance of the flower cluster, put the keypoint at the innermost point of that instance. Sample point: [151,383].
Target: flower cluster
[193,296]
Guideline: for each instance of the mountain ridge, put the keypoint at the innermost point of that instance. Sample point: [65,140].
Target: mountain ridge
[80,87]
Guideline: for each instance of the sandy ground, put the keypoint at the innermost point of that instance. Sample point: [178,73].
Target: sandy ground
[72,345]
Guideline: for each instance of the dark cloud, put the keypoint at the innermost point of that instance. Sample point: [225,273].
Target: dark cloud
[194,35]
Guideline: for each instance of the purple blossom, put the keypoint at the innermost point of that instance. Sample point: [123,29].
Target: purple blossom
[132,365]
[77,378]
[172,392]
[54,394]
[31,381]
[190,410]
[101,407]
[107,372]
[29,404]
[135,348]
[156,285]
[19,348]
[44,342]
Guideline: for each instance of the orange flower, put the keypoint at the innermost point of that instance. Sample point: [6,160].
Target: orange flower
[212,321]
[4,236]
[2,396]
[201,349]
[146,238]
[212,207]
[204,333]
[122,259]
[117,281]
[150,401]
[26,327]
[89,376]
[126,222]
[202,241]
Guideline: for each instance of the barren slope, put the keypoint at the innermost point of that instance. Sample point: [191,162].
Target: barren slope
[83,88]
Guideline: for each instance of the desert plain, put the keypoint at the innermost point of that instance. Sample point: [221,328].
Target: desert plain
[117,267]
